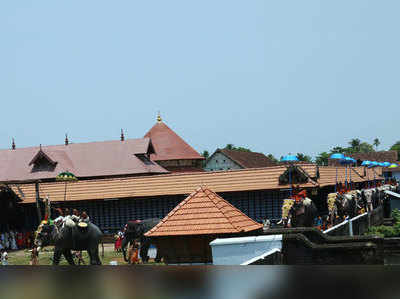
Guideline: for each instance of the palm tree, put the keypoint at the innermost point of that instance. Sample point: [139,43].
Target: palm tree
[376,143]
[355,144]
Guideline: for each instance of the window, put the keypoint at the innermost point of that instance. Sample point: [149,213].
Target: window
[216,161]
[144,159]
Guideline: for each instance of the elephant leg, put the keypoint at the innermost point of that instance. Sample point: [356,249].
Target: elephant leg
[144,249]
[124,244]
[91,255]
[68,257]
[56,257]
[96,256]
[158,256]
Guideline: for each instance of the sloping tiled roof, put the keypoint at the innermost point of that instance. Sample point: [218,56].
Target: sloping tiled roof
[383,156]
[93,159]
[247,159]
[181,183]
[168,145]
[203,212]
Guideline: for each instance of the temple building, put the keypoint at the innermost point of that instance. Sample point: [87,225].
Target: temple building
[224,159]
[171,151]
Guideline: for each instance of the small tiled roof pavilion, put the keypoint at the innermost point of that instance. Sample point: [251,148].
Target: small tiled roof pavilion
[184,235]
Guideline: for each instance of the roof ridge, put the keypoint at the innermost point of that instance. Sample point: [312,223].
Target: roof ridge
[238,228]
[174,210]
[49,146]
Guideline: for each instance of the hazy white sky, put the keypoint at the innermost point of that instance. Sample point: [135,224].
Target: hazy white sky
[275,76]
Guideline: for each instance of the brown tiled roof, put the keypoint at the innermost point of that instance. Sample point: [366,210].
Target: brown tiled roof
[383,156]
[168,145]
[203,212]
[93,159]
[181,183]
[247,159]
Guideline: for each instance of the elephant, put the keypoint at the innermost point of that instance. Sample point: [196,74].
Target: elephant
[136,230]
[67,238]
[303,213]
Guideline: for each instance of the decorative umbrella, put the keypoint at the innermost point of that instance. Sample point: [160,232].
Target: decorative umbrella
[337,156]
[366,163]
[386,164]
[393,165]
[290,159]
[66,176]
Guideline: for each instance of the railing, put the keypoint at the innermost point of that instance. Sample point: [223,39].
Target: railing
[357,225]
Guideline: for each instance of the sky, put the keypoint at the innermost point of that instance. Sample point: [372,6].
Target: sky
[277,77]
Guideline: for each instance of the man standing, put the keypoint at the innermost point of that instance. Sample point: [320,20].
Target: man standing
[4,257]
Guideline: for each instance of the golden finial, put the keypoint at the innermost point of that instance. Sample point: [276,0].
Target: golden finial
[159,119]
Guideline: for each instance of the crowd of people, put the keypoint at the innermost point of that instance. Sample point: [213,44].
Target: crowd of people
[62,217]
[14,240]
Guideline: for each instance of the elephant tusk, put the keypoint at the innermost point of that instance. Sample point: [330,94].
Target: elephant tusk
[39,248]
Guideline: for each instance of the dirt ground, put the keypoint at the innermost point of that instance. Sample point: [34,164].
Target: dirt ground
[22,257]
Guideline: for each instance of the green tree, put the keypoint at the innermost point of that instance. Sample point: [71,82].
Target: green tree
[396,147]
[376,143]
[355,144]
[272,158]
[365,147]
[231,147]
[206,154]
[322,159]
[338,149]
[303,157]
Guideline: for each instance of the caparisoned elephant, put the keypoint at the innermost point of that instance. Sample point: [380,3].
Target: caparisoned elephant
[67,238]
[303,213]
[136,230]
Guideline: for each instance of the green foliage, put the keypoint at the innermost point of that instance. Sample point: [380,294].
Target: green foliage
[396,147]
[376,143]
[303,157]
[271,157]
[205,154]
[356,146]
[230,146]
[387,231]
[322,159]
[365,147]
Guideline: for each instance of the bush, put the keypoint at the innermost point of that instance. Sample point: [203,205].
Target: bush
[387,231]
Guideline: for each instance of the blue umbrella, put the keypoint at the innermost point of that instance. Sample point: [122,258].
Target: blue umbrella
[387,164]
[366,163]
[340,157]
[337,156]
[289,158]
[373,164]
